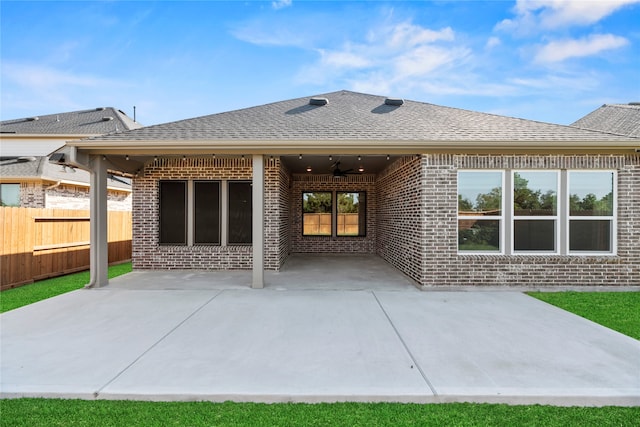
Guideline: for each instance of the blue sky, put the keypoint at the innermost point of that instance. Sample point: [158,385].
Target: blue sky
[546,60]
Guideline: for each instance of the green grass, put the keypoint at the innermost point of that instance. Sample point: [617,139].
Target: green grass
[43,289]
[52,412]
[619,311]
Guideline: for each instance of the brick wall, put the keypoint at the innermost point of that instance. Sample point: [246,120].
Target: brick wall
[444,266]
[401,209]
[39,194]
[32,194]
[327,244]
[149,254]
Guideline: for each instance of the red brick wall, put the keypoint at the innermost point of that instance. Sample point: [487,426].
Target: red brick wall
[326,244]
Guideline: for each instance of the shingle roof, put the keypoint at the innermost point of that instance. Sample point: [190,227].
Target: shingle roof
[356,116]
[40,168]
[98,121]
[619,119]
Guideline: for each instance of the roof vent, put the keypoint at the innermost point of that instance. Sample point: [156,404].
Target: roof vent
[394,101]
[32,119]
[100,109]
[318,101]
[634,103]
[107,119]
[26,159]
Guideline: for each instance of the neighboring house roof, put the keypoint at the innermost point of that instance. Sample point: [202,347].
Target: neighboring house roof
[39,168]
[97,121]
[351,116]
[619,119]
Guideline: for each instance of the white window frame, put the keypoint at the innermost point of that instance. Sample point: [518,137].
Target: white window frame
[613,219]
[563,216]
[556,218]
[500,218]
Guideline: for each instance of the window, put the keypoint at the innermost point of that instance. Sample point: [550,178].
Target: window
[480,211]
[535,211]
[9,194]
[351,214]
[191,212]
[206,215]
[554,212]
[173,212]
[591,211]
[240,212]
[317,208]
[347,219]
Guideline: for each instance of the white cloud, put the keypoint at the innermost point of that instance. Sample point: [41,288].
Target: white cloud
[493,42]
[557,51]
[344,59]
[280,4]
[533,16]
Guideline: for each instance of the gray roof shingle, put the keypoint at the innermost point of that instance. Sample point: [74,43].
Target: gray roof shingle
[619,119]
[356,116]
[98,121]
[39,167]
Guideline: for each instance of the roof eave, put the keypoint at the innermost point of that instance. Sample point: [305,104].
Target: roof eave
[353,146]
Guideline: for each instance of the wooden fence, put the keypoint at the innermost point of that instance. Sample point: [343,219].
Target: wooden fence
[41,243]
[319,224]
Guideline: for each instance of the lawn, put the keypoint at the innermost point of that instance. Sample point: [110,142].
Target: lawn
[53,412]
[43,289]
[619,311]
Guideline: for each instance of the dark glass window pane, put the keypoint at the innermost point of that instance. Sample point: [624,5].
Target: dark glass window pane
[530,235]
[9,194]
[206,212]
[480,193]
[535,193]
[590,235]
[591,193]
[478,235]
[316,213]
[351,214]
[240,212]
[173,212]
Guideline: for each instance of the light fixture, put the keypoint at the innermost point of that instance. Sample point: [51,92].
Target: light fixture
[126,157]
[104,157]
[213,155]
[388,157]
[309,169]
[300,157]
[330,157]
[360,169]
[155,158]
[184,157]
[359,158]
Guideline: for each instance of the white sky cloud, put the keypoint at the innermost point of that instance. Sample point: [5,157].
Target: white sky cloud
[280,4]
[559,50]
[533,16]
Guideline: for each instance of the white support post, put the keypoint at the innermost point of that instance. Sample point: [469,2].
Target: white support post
[258,221]
[99,249]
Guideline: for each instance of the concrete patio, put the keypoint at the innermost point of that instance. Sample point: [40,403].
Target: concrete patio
[207,336]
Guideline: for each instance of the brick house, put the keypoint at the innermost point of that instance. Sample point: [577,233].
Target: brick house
[447,196]
[28,180]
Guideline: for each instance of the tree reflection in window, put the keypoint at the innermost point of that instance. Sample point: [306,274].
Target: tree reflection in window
[316,213]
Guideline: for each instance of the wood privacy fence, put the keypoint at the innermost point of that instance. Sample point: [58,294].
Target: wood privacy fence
[319,224]
[41,243]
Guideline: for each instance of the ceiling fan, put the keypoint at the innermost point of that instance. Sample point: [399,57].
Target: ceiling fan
[339,173]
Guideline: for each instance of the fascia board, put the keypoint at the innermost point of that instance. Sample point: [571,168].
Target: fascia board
[351,146]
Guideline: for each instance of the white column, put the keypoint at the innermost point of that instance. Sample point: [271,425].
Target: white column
[258,221]
[99,249]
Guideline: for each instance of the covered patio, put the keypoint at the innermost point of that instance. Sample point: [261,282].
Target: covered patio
[342,272]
